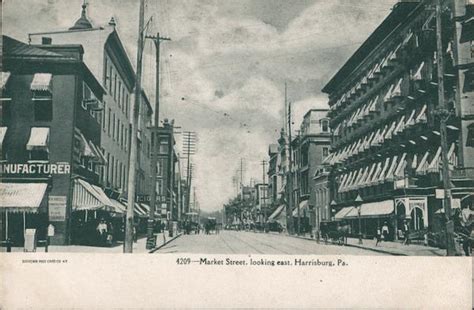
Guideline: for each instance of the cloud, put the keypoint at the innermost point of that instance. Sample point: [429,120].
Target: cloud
[224,71]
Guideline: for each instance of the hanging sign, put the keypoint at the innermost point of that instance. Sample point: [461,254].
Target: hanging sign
[57,208]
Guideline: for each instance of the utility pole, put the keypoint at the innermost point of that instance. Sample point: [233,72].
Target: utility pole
[128,244]
[444,114]
[189,148]
[264,198]
[291,173]
[289,185]
[151,242]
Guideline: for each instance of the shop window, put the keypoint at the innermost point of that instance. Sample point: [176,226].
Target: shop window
[43,108]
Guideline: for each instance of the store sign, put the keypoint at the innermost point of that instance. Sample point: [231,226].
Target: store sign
[143,198]
[439,193]
[35,168]
[57,208]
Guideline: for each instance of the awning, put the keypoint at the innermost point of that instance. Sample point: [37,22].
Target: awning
[98,155]
[39,138]
[90,197]
[119,207]
[417,76]
[304,206]
[372,210]
[41,82]
[342,213]
[3,132]
[22,197]
[140,211]
[277,212]
[4,79]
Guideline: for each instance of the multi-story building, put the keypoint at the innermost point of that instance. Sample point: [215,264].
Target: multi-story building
[108,60]
[310,148]
[50,140]
[260,210]
[386,132]
[168,161]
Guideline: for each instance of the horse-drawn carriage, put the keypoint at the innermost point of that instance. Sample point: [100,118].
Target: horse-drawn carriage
[211,226]
[335,232]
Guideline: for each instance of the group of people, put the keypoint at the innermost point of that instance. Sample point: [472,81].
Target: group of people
[383,233]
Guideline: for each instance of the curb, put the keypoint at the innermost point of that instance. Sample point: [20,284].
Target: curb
[168,241]
[358,246]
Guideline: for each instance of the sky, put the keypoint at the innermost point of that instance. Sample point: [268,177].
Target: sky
[223,72]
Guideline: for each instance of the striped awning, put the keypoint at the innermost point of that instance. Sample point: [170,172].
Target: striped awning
[90,197]
[4,76]
[280,210]
[41,82]
[3,132]
[39,138]
[303,206]
[372,210]
[22,197]
[342,213]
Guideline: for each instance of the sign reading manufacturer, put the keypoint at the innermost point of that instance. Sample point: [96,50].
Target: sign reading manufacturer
[35,168]
[57,208]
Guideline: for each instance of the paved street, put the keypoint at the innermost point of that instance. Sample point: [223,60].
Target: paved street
[233,242]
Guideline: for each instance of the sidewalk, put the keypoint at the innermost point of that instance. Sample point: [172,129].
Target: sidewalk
[139,247]
[389,247]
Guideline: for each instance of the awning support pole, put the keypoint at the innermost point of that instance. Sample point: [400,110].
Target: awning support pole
[6,224]
[85,217]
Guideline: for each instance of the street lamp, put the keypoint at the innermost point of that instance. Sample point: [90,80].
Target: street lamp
[358,203]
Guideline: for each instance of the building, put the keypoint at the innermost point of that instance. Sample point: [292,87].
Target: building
[109,62]
[310,147]
[168,167]
[50,124]
[386,135]
[261,207]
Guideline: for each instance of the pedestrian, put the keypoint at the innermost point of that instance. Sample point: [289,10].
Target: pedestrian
[385,231]
[102,231]
[378,236]
[135,238]
[406,232]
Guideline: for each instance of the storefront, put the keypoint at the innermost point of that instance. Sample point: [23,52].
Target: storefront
[90,206]
[23,206]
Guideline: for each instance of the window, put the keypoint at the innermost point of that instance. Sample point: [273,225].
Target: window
[472,49]
[115,86]
[5,114]
[90,165]
[126,138]
[159,168]
[325,125]
[39,155]
[119,94]
[112,164]
[113,127]
[122,136]
[325,152]
[127,108]
[108,121]
[103,117]
[110,78]
[43,109]
[120,175]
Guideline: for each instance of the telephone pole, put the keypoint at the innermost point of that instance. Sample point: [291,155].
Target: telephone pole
[151,241]
[289,185]
[189,148]
[128,244]
[444,114]
[264,198]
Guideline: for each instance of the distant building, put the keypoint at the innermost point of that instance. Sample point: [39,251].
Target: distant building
[310,147]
